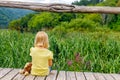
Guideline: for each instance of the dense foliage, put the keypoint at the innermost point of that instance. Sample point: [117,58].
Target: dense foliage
[39,21]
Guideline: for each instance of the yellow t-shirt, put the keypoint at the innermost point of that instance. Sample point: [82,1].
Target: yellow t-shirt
[40,57]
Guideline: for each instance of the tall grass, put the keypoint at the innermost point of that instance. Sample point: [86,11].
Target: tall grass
[88,51]
[14,48]
[99,51]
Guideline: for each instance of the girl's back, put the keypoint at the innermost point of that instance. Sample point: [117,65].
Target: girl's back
[40,57]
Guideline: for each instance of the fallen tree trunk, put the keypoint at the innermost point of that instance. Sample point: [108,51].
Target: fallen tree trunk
[60,7]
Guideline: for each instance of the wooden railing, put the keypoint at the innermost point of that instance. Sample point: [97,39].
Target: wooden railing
[60,7]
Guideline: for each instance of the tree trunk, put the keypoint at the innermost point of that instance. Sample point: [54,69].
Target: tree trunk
[60,7]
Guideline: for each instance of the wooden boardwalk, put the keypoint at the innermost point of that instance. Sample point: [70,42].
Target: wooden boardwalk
[12,74]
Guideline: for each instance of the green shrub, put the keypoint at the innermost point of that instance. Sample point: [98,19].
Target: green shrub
[43,20]
[78,24]
[66,17]
[94,17]
[15,24]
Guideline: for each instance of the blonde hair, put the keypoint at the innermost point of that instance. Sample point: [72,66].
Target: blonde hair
[41,40]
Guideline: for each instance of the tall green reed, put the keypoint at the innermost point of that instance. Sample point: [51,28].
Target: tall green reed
[96,51]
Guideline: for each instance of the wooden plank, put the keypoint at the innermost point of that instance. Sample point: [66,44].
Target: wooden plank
[108,77]
[1,69]
[99,76]
[18,77]
[4,71]
[10,75]
[39,78]
[89,76]
[80,76]
[61,75]
[52,75]
[71,75]
[29,77]
[116,76]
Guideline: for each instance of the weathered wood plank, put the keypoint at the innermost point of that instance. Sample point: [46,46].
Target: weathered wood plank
[71,75]
[52,75]
[18,77]
[60,7]
[80,76]
[1,69]
[39,78]
[108,77]
[116,76]
[99,76]
[61,75]
[29,77]
[89,76]
[4,71]
[10,75]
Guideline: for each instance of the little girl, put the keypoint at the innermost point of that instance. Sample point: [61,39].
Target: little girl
[41,56]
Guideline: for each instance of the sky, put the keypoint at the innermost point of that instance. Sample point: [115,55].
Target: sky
[47,1]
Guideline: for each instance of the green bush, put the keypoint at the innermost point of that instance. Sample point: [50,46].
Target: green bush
[66,17]
[88,24]
[15,24]
[94,17]
[21,24]
[114,24]
[78,24]
[43,20]
[115,27]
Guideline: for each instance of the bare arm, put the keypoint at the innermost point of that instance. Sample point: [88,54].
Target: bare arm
[50,62]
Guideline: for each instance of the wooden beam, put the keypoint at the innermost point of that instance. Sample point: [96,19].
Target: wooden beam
[60,7]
